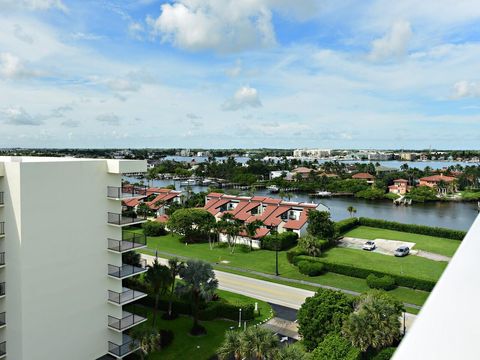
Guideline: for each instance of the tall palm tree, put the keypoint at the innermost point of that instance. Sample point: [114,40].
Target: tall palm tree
[199,283]
[258,343]
[230,347]
[351,210]
[147,338]
[251,229]
[158,278]
[174,266]
[232,227]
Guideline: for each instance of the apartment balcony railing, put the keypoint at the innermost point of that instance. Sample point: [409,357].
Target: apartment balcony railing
[120,219]
[130,241]
[3,349]
[125,271]
[126,191]
[128,346]
[125,297]
[3,319]
[2,289]
[2,259]
[2,201]
[2,229]
[126,322]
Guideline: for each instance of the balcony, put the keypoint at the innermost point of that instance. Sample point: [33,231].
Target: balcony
[3,349]
[2,290]
[2,199]
[125,297]
[125,192]
[2,260]
[126,322]
[2,229]
[3,320]
[126,271]
[123,220]
[128,346]
[131,241]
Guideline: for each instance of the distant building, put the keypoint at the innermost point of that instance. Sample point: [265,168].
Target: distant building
[399,187]
[369,178]
[313,153]
[408,156]
[157,200]
[281,173]
[304,172]
[379,156]
[441,182]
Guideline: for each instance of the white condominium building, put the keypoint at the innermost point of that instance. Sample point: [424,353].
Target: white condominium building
[61,245]
[313,153]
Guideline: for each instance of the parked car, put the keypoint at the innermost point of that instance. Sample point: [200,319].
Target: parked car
[369,246]
[402,251]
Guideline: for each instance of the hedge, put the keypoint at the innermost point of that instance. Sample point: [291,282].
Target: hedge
[286,240]
[154,228]
[293,254]
[346,225]
[362,273]
[310,268]
[412,228]
[385,282]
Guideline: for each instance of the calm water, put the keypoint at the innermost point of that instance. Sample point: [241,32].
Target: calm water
[454,215]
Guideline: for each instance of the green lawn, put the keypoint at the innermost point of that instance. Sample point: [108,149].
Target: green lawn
[264,261]
[432,244]
[413,266]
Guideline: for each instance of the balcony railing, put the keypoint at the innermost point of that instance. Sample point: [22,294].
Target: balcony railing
[126,322]
[130,241]
[125,297]
[126,270]
[3,319]
[129,345]
[120,219]
[2,289]
[2,258]
[1,198]
[126,191]
[3,348]
[2,228]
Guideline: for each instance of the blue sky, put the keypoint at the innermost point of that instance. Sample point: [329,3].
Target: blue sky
[240,73]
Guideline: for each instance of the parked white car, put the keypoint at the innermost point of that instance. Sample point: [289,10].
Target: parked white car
[369,246]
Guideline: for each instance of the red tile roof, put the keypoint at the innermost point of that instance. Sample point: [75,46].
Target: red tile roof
[438,178]
[162,218]
[400,181]
[363,176]
[245,212]
[260,233]
[297,224]
[131,202]
[275,218]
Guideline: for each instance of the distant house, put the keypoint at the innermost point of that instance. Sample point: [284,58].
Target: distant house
[399,187]
[303,171]
[157,199]
[276,214]
[369,178]
[441,182]
[287,175]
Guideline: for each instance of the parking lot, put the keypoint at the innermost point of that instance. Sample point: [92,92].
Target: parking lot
[385,247]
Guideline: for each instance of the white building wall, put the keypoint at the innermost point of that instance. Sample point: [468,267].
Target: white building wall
[56,253]
[242,240]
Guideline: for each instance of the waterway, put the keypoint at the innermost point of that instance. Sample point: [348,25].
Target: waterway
[454,215]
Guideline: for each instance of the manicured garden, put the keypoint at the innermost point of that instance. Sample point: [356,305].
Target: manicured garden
[432,244]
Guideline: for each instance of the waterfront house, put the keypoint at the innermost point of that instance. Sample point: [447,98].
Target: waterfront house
[369,178]
[442,183]
[304,172]
[276,214]
[399,187]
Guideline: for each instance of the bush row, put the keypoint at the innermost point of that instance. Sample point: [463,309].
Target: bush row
[363,273]
[285,240]
[412,228]
[381,282]
[154,228]
[310,268]
[346,225]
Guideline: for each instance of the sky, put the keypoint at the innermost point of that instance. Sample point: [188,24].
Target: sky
[240,73]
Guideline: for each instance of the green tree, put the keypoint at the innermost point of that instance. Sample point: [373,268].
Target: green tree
[251,229]
[351,210]
[375,323]
[191,223]
[320,225]
[199,284]
[258,343]
[322,314]
[232,227]
[174,265]
[158,279]
[147,338]
[335,347]
[311,245]
[230,346]
[291,352]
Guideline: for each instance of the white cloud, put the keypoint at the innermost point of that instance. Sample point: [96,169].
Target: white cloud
[243,98]
[463,89]
[394,44]
[12,67]
[18,116]
[219,25]
[136,30]
[109,119]
[69,123]
[86,36]
[33,5]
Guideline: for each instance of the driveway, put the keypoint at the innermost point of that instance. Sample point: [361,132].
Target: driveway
[385,247]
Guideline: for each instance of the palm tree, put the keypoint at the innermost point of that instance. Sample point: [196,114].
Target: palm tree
[151,175]
[251,229]
[147,338]
[291,352]
[231,346]
[158,278]
[199,283]
[232,227]
[351,210]
[258,343]
[174,266]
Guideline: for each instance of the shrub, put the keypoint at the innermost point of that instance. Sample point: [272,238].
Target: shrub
[372,193]
[346,225]
[310,268]
[311,245]
[243,248]
[285,240]
[154,228]
[292,254]
[385,282]
[360,272]
[412,228]
[385,354]
[335,347]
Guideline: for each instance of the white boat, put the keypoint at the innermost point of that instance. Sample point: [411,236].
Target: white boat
[189,182]
[322,194]
[273,188]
